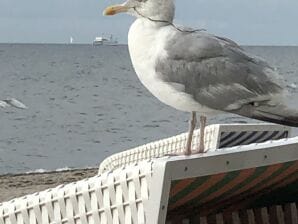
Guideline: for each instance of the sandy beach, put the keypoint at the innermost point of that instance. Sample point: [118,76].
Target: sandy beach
[12,186]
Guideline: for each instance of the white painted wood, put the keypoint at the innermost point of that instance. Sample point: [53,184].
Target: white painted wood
[176,144]
[117,197]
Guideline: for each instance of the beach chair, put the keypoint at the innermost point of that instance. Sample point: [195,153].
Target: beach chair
[217,136]
[232,183]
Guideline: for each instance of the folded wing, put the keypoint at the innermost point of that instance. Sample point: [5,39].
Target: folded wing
[218,74]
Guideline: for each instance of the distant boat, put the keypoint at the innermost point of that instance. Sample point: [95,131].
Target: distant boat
[71,40]
[105,41]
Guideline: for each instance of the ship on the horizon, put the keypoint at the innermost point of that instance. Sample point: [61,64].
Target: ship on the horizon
[105,41]
[71,40]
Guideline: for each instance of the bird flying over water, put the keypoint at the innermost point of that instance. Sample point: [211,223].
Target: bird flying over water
[13,103]
[194,71]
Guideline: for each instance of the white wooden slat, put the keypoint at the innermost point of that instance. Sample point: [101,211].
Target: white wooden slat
[49,206]
[36,208]
[12,215]
[219,218]
[235,218]
[291,213]
[107,205]
[57,212]
[24,211]
[44,215]
[280,215]
[265,216]
[82,209]
[96,217]
[73,200]
[119,203]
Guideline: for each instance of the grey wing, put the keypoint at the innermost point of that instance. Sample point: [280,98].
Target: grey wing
[216,71]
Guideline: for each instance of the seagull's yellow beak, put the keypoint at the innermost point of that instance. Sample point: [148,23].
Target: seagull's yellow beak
[114,9]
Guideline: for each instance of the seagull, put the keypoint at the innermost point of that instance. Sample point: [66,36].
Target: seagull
[12,102]
[194,71]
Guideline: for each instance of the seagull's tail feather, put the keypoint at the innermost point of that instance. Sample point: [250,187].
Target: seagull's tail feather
[282,116]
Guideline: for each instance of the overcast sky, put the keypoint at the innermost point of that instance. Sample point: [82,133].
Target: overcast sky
[253,22]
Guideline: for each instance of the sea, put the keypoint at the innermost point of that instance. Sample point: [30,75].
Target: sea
[86,103]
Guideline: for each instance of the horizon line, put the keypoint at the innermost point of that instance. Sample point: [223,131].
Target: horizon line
[65,43]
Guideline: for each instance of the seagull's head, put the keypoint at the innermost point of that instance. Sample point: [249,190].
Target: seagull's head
[152,9]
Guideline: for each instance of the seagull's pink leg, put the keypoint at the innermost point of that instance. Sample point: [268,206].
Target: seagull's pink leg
[192,126]
[203,120]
